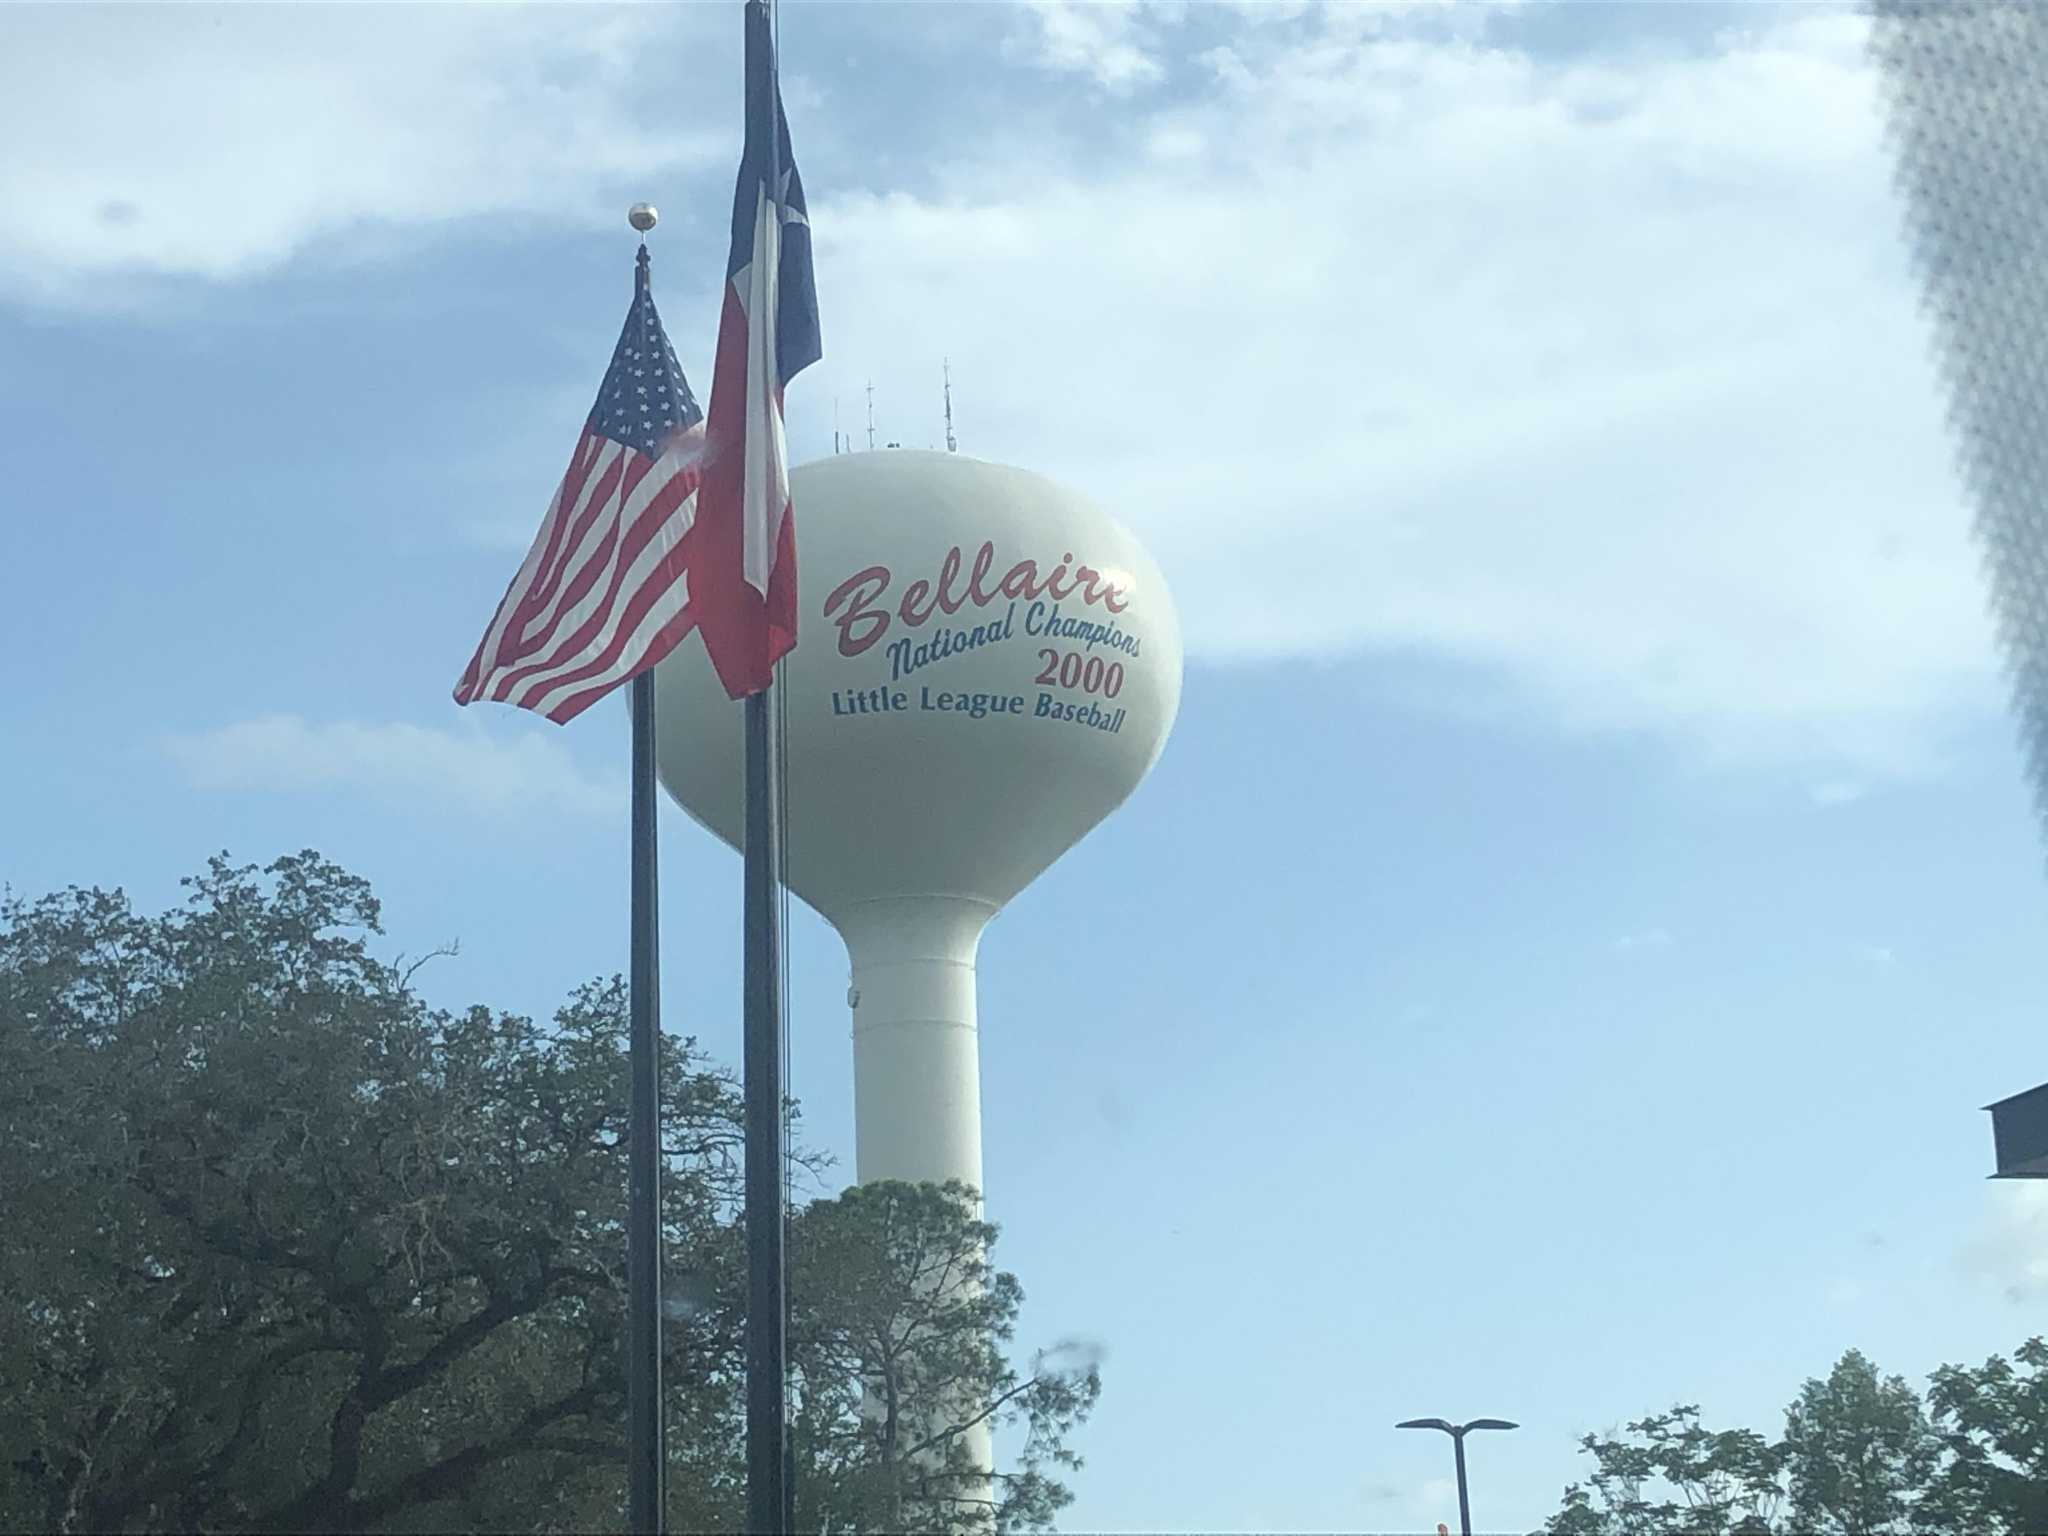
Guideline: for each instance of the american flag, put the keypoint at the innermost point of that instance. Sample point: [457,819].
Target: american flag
[604,592]
[744,561]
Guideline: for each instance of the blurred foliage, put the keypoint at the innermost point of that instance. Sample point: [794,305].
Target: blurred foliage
[1862,1455]
[290,1250]
[897,1335]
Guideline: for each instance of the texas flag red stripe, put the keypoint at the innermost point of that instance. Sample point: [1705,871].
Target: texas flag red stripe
[743,573]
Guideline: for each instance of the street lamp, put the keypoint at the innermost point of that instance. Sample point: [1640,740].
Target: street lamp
[1457,1433]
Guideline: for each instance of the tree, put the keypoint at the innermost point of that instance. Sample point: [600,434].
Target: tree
[1859,1452]
[898,1328]
[1861,1456]
[301,1252]
[290,1250]
[1673,1477]
[1993,1424]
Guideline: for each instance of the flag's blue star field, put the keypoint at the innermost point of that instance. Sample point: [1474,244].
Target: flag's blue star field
[644,396]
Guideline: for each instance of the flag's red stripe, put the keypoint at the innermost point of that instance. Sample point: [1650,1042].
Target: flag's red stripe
[591,449]
[781,601]
[644,597]
[539,679]
[666,639]
[615,626]
[517,596]
[514,674]
[465,689]
[522,584]
[719,592]
[637,467]
[541,595]
[630,542]
[590,570]
[592,520]
[660,580]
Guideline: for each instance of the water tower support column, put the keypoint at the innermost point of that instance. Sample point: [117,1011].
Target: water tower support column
[917,1056]
[916,1053]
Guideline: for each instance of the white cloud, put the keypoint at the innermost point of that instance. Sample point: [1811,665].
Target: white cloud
[2010,1250]
[1109,40]
[1598,377]
[465,768]
[1601,377]
[214,142]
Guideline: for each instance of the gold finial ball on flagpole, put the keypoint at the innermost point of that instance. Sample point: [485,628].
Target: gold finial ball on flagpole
[643,216]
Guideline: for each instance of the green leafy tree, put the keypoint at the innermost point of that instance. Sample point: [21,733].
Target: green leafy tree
[1860,1452]
[1993,1425]
[898,1333]
[290,1250]
[1667,1475]
[294,1251]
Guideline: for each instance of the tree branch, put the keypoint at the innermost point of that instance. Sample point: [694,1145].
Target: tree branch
[454,1474]
[950,1431]
[202,1473]
[392,1384]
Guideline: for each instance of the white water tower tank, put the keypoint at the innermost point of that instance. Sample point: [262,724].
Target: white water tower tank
[986,667]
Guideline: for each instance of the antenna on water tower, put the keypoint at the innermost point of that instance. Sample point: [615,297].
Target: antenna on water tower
[871,415]
[952,444]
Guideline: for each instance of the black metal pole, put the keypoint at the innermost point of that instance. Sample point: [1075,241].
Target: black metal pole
[645,1453]
[767,1427]
[789,1478]
[1464,1502]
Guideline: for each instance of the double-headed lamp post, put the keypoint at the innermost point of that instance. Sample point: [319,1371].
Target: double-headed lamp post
[1457,1434]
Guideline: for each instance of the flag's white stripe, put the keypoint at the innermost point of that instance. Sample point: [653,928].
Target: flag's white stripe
[557,682]
[572,557]
[672,528]
[487,653]
[559,621]
[660,614]
[764,489]
[533,574]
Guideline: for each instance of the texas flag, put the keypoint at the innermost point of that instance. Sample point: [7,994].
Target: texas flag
[743,565]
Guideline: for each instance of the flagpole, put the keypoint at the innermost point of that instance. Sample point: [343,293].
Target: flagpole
[767,1406]
[769,1474]
[645,1449]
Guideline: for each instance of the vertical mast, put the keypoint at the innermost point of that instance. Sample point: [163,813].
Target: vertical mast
[768,1469]
[952,445]
[644,1441]
[767,1404]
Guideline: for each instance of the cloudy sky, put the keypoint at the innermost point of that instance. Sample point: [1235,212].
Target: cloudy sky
[1590,890]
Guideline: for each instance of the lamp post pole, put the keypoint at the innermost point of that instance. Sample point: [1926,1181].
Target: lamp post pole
[1457,1433]
[1464,1498]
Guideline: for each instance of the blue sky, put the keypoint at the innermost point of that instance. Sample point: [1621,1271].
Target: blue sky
[1589,892]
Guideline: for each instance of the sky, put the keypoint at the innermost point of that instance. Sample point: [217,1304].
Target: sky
[1560,957]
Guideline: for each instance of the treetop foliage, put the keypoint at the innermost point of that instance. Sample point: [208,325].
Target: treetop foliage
[290,1249]
[1862,1454]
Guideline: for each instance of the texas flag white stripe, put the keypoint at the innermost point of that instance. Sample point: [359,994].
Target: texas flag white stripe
[765,489]
[743,559]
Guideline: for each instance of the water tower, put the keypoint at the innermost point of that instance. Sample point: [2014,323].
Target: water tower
[987,665]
